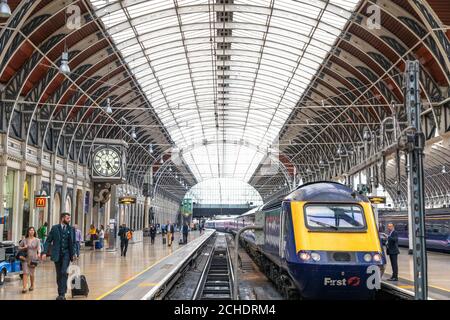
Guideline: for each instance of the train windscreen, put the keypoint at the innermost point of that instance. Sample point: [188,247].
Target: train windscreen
[335,217]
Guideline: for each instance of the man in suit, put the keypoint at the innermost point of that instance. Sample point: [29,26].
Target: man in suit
[61,238]
[185,232]
[392,250]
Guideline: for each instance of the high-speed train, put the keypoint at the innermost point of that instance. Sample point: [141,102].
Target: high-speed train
[319,241]
[437,227]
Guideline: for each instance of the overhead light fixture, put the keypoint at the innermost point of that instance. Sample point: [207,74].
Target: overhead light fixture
[150,148]
[444,169]
[108,106]
[133,132]
[161,161]
[366,135]
[170,169]
[321,163]
[64,67]
[340,151]
[5,10]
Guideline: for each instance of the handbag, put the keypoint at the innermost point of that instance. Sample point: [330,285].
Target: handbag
[34,263]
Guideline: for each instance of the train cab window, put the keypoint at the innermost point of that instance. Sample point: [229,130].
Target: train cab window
[335,217]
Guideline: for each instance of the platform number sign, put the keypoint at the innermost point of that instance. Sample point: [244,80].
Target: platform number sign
[186,207]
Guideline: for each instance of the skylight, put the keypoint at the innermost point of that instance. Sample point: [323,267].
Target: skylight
[224,75]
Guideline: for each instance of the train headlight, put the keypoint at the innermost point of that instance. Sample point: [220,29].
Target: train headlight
[305,256]
[377,257]
[315,256]
[367,257]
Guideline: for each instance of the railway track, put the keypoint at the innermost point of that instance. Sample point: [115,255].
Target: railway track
[216,281]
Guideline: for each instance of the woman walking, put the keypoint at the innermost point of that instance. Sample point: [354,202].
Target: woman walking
[32,246]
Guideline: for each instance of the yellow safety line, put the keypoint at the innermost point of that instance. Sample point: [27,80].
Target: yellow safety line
[148,284]
[135,276]
[432,286]
[440,288]
[128,280]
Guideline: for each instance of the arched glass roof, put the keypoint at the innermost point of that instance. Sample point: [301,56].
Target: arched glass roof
[225,69]
[223,191]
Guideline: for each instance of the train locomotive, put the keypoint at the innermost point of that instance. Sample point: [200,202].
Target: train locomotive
[319,242]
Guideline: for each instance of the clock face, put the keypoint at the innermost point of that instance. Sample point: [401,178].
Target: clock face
[107,162]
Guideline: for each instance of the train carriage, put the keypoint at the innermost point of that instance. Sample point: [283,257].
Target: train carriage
[437,227]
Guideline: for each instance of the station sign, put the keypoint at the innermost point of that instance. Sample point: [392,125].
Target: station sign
[40,202]
[127,200]
[377,200]
[186,207]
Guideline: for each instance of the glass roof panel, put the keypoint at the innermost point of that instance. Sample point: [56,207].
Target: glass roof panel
[224,77]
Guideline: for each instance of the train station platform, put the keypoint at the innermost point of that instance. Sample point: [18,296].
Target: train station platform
[147,284]
[438,274]
[105,271]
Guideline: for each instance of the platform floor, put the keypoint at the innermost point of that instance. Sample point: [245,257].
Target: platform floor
[104,270]
[438,273]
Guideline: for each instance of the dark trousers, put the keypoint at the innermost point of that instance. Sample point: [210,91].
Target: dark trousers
[394,264]
[152,238]
[185,235]
[61,273]
[77,248]
[123,247]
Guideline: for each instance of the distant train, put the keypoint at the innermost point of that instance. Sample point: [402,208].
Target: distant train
[320,242]
[437,227]
[221,225]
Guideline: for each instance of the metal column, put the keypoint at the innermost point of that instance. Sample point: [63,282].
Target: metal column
[415,146]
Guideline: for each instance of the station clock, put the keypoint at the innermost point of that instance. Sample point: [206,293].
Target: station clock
[108,161]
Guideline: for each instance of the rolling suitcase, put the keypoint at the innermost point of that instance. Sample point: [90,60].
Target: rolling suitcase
[83,290]
[180,241]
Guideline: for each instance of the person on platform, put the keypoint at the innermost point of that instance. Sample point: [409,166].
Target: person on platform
[202,226]
[123,234]
[92,235]
[152,234]
[61,239]
[101,236]
[163,233]
[170,233]
[185,231]
[78,239]
[32,246]
[392,250]
[42,232]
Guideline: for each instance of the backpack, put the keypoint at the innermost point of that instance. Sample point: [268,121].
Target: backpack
[129,235]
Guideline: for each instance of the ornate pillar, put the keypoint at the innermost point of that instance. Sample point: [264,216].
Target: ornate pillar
[18,203]
[3,172]
[34,212]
